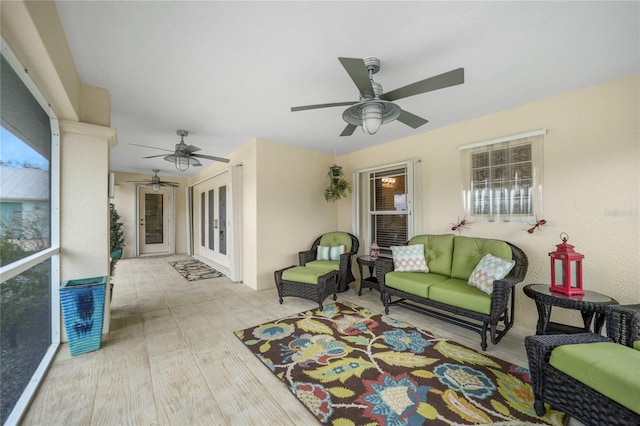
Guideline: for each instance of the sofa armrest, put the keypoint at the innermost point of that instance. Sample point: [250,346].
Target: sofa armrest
[539,350]
[306,256]
[383,265]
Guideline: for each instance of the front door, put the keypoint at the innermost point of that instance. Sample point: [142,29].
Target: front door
[211,220]
[154,216]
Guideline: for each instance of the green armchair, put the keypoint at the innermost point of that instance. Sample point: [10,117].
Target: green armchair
[325,269]
[343,266]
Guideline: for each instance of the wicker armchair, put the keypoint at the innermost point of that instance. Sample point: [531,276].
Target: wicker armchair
[345,274]
[563,392]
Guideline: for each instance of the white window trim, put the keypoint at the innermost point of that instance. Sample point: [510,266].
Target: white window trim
[52,253]
[414,199]
[537,178]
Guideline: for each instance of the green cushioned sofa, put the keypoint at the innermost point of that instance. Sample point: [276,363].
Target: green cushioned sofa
[444,293]
[593,378]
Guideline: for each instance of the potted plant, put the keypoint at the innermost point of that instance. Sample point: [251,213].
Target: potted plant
[338,185]
[116,240]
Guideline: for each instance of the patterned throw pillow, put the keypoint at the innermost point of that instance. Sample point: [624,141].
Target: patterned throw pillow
[330,253]
[490,268]
[409,258]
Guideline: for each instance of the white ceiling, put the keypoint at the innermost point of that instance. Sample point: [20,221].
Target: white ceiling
[229,72]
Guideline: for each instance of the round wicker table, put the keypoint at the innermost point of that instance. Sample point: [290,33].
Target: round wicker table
[591,305]
[371,281]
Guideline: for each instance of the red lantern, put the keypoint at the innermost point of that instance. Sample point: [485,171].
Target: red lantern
[566,269]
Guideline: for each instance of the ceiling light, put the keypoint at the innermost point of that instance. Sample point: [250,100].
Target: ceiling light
[182,162]
[370,114]
[155,186]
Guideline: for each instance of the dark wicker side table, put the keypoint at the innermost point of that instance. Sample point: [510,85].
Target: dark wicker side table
[371,281]
[591,305]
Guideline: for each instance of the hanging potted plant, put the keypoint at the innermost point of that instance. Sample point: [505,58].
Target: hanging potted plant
[338,185]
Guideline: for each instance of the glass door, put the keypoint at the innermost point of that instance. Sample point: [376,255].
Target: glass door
[154,214]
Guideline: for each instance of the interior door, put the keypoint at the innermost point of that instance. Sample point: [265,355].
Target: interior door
[154,216]
[211,220]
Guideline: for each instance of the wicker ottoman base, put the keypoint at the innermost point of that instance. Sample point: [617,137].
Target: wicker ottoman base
[327,285]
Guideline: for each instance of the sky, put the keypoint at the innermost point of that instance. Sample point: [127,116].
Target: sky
[15,152]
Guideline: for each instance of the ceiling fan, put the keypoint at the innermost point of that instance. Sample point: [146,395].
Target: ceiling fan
[183,156]
[155,183]
[375,107]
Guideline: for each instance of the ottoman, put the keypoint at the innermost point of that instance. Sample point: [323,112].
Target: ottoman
[307,283]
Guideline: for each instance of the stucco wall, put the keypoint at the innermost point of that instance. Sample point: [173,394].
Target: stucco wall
[591,185]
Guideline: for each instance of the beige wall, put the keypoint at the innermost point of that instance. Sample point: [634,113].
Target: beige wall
[591,185]
[283,209]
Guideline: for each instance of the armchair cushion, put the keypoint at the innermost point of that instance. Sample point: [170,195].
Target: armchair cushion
[607,367]
[333,239]
[330,253]
[409,258]
[489,269]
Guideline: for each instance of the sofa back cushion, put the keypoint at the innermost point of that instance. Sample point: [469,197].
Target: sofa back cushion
[437,250]
[468,251]
[333,239]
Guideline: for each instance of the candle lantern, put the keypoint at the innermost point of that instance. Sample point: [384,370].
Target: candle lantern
[374,252]
[566,269]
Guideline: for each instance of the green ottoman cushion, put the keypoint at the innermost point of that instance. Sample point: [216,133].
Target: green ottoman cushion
[468,252]
[458,293]
[610,368]
[324,265]
[301,274]
[636,345]
[413,282]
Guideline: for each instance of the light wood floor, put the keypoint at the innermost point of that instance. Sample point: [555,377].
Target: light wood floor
[171,357]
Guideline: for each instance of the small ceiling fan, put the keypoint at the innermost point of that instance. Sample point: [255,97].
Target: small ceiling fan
[183,156]
[375,107]
[155,183]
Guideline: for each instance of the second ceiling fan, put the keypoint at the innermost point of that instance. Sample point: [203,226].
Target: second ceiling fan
[375,107]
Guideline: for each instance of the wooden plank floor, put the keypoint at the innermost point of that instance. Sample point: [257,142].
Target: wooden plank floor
[171,357]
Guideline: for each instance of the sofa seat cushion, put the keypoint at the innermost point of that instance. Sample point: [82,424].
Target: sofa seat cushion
[610,368]
[417,283]
[324,265]
[334,239]
[468,252]
[458,293]
[636,345]
[302,274]
[437,251]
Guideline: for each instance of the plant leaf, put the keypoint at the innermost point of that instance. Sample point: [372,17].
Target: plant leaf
[425,374]
[313,326]
[341,392]
[464,355]
[264,348]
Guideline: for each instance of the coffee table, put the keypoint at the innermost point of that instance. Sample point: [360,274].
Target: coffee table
[591,305]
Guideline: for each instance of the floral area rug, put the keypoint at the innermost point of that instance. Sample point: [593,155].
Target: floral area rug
[351,366]
[193,270]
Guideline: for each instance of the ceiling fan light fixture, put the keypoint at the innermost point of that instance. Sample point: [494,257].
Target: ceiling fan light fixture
[371,118]
[155,187]
[370,114]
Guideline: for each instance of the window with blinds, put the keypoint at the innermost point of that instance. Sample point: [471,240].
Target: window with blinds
[388,207]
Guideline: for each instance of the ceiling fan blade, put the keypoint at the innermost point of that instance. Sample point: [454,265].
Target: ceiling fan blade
[440,81]
[138,181]
[153,147]
[191,148]
[154,156]
[359,73]
[411,120]
[210,157]
[348,131]
[335,104]
[172,184]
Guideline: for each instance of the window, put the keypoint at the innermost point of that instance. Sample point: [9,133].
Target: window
[29,303]
[502,179]
[386,205]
